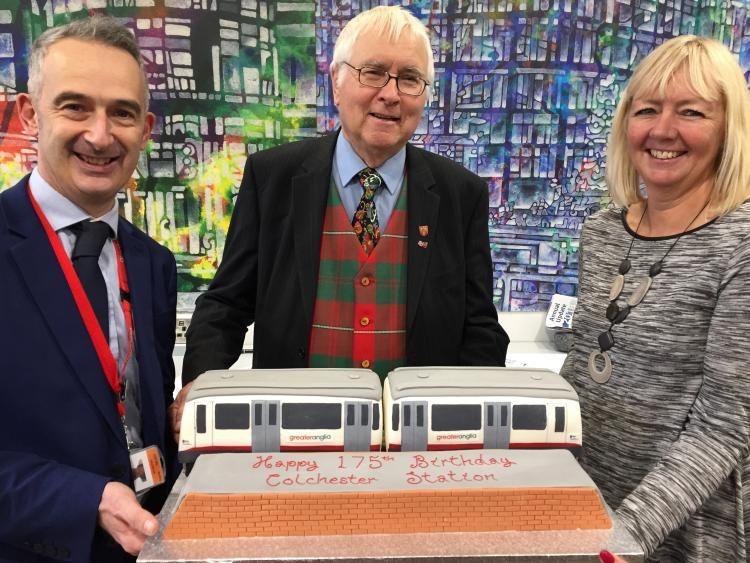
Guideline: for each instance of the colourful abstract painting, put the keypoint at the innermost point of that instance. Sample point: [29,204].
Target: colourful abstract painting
[523,96]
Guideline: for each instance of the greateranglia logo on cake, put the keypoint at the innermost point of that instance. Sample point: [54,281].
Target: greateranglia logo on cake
[471,436]
[303,437]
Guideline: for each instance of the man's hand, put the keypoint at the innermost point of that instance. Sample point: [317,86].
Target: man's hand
[123,518]
[175,411]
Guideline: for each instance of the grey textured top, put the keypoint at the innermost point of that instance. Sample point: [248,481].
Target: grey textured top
[352,383]
[667,438]
[477,381]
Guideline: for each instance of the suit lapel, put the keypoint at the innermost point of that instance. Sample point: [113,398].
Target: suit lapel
[49,290]
[309,195]
[422,212]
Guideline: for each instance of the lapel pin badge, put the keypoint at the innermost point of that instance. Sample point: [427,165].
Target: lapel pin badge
[424,230]
[422,243]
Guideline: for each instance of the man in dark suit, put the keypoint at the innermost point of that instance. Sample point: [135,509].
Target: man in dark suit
[356,249]
[84,383]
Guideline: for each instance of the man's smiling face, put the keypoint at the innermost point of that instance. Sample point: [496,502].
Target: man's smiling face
[378,122]
[90,119]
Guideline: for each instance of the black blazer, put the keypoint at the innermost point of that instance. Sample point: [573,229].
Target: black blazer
[269,270]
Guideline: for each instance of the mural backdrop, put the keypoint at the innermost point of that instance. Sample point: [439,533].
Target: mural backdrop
[524,95]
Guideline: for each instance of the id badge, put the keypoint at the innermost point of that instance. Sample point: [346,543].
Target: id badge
[148,468]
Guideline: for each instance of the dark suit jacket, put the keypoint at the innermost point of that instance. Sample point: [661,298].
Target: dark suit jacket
[269,271]
[61,439]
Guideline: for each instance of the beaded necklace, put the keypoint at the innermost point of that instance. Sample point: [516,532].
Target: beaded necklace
[616,314]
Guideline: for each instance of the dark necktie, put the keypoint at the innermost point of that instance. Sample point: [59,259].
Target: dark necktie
[90,238]
[365,220]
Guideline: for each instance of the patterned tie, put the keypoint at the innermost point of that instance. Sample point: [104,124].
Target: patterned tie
[365,220]
[90,238]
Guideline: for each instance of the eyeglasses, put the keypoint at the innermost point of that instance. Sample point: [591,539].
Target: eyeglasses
[409,84]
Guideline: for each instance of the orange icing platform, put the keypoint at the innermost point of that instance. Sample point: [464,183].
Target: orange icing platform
[236,495]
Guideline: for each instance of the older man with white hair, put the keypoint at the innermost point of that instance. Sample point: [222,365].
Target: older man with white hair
[356,249]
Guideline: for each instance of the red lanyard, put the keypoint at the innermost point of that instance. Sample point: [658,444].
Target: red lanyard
[103,352]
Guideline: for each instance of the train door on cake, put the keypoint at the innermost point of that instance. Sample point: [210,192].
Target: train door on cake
[557,433]
[414,426]
[266,432]
[357,431]
[496,425]
[204,436]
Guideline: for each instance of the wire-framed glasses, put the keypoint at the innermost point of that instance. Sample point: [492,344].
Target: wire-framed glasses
[409,83]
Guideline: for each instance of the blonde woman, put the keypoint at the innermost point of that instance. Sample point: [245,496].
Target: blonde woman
[661,354]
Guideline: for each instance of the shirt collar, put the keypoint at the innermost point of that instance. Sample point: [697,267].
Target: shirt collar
[60,211]
[349,163]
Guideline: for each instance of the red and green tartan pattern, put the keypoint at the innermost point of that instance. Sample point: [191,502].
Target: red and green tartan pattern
[338,338]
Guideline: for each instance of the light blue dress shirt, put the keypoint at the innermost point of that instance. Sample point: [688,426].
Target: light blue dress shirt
[61,213]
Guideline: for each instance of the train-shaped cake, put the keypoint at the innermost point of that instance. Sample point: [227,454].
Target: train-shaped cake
[415,409]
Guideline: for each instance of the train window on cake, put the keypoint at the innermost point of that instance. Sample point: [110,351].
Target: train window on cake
[258,414]
[456,417]
[365,414]
[394,417]
[305,416]
[350,415]
[529,417]
[420,415]
[375,416]
[272,410]
[200,419]
[559,419]
[232,416]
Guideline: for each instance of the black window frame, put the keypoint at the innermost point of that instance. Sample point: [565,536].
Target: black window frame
[559,419]
[288,416]
[447,417]
[232,416]
[200,419]
[527,417]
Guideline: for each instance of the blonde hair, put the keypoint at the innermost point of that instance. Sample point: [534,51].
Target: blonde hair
[715,75]
[392,21]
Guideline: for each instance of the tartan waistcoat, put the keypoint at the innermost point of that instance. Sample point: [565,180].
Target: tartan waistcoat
[359,318]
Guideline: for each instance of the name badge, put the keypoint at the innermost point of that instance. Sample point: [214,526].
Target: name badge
[148,468]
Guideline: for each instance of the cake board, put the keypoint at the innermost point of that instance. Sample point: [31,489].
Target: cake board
[234,473]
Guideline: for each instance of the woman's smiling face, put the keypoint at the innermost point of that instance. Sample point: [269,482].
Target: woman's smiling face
[674,141]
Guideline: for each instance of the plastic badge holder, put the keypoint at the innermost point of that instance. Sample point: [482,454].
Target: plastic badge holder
[559,321]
